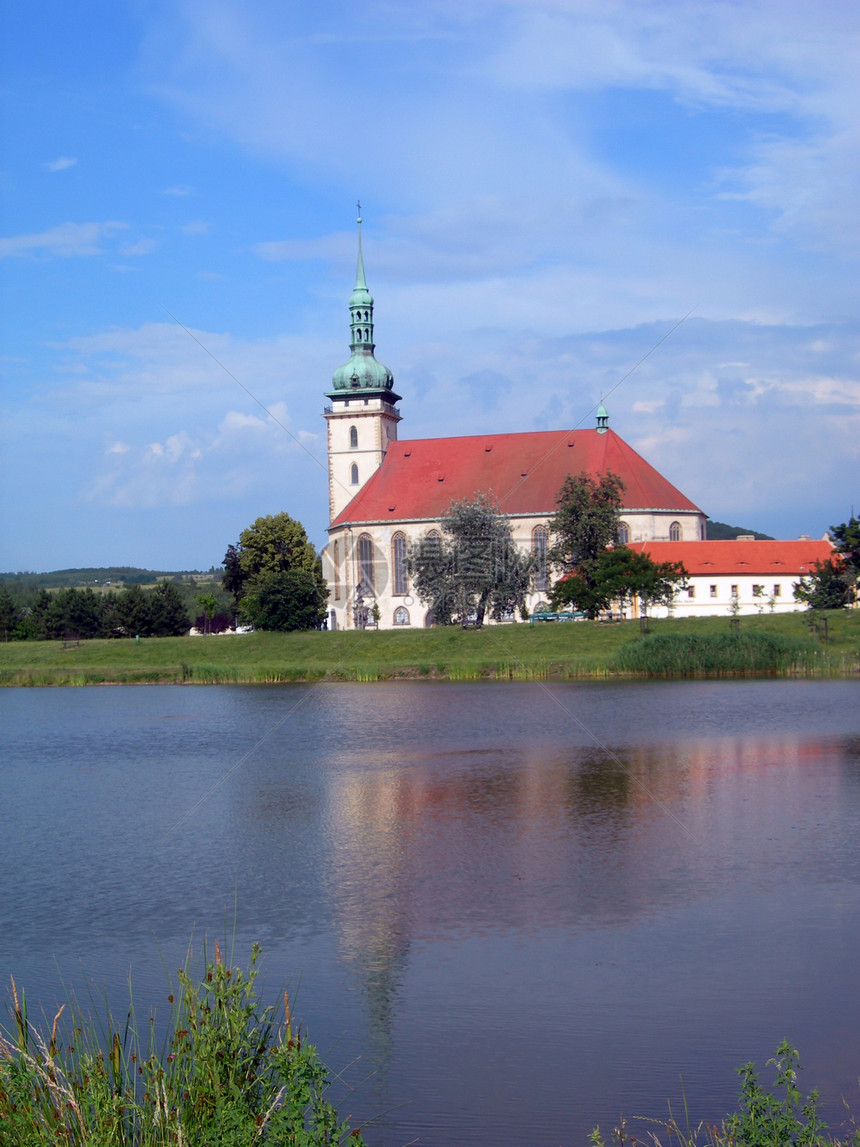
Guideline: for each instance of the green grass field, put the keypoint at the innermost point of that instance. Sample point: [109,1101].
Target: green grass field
[516,652]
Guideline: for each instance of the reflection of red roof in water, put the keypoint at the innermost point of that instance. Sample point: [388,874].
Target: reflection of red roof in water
[734,557]
[418,480]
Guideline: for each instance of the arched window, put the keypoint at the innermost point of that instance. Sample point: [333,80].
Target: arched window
[353,438]
[336,559]
[353,474]
[540,538]
[675,532]
[365,563]
[401,615]
[398,565]
[623,534]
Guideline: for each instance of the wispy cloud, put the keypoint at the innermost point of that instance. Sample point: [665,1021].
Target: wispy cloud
[66,240]
[179,189]
[141,247]
[196,227]
[62,163]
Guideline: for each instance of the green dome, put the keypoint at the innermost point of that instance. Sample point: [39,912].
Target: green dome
[363,372]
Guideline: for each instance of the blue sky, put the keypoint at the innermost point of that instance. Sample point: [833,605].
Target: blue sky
[548,186]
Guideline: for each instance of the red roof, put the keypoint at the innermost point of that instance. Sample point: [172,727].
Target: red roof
[740,558]
[418,480]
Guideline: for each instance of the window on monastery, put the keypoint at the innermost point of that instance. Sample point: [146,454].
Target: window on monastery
[540,538]
[758,590]
[675,532]
[713,591]
[365,563]
[401,615]
[336,560]
[691,591]
[398,566]
[623,534]
[353,474]
[777,591]
[353,438]
[734,591]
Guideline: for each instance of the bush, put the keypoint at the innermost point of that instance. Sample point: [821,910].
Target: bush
[228,1076]
[700,654]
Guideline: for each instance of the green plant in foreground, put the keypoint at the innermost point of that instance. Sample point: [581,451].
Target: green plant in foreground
[229,1075]
[780,1117]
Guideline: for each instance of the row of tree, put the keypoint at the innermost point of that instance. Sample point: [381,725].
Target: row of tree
[82,613]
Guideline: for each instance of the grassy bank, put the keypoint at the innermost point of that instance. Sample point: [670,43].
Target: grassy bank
[764,645]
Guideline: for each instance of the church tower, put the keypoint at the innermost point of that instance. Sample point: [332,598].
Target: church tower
[362,418]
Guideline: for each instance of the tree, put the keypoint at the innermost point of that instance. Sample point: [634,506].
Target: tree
[9,615]
[846,538]
[587,520]
[619,575]
[256,570]
[473,569]
[826,587]
[208,604]
[168,616]
[234,578]
[291,600]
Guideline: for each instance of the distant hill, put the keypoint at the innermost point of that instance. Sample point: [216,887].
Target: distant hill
[720,532]
[115,576]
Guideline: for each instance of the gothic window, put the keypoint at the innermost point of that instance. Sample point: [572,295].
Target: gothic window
[675,532]
[353,438]
[623,534]
[365,563]
[337,571]
[353,474]
[540,538]
[398,565]
[401,615]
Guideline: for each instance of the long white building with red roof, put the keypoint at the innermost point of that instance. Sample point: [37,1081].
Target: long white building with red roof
[385,493]
[739,576]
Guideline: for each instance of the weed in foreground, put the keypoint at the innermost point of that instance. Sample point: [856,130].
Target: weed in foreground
[780,1117]
[229,1075]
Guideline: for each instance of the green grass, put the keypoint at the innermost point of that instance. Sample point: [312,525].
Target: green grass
[549,651]
[230,1073]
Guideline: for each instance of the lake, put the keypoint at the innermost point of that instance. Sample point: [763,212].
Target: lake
[507,912]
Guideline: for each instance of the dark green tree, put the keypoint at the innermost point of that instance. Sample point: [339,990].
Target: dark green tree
[234,577]
[255,569]
[133,610]
[168,616]
[846,538]
[10,616]
[619,575]
[474,569]
[828,585]
[285,601]
[587,520]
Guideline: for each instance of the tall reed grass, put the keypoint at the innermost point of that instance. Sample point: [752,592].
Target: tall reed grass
[230,1073]
[719,654]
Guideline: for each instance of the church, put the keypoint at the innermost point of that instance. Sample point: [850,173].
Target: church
[386,492]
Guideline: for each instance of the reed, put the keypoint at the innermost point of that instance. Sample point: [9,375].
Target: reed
[230,1073]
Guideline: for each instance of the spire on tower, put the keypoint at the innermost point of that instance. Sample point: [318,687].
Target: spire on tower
[363,373]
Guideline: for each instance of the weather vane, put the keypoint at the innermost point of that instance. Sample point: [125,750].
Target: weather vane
[358,205]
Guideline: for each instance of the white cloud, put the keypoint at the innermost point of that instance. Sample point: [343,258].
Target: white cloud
[61,164]
[66,240]
[141,247]
[179,189]
[196,227]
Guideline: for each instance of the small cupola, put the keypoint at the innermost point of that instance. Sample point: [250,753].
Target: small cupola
[602,419]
